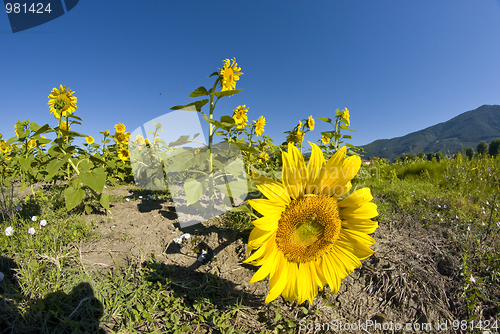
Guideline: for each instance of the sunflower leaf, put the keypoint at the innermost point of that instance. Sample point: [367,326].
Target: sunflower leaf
[227,93]
[194,190]
[328,120]
[43,129]
[200,91]
[94,179]
[194,106]
[73,197]
[75,117]
[214,73]
[181,141]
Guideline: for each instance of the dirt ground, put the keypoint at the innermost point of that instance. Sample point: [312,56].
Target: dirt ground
[410,281]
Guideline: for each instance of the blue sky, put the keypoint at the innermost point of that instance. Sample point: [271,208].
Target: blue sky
[398,66]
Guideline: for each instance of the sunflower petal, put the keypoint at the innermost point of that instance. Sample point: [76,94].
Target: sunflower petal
[267,223]
[279,280]
[274,191]
[265,269]
[258,237]
[364,212]
[291,177]
[356,199]
[314,167]
[357,243]
[267,207]
[364,226]
[346,261]
[290,292]
[330,271]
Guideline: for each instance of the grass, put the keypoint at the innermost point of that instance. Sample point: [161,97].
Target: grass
[48,289]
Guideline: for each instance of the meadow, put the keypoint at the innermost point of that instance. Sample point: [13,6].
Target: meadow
[84,249]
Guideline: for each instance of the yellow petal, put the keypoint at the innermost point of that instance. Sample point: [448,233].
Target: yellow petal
[267,207]
[265,269]
[330,271]
[290,291]
[364,212]
[314,167]
[275,191]
[279,280]
[290,176]
[356,243]
[267,223]
[258,237]
[346,261]
[356,199]
[365,226]
[304,283]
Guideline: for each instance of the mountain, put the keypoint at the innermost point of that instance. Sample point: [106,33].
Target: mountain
[465,130]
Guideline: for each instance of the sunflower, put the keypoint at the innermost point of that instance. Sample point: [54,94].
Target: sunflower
[121,137]
[89,140]
[229,74]
[119,128]
[62,94]
[346,117]
[16,130]
[240,116]
[307,237]
[106,133]
[259,125]
[139,139]
[32,144]
[325,140]
[263,156]
[123,154]
[310,123]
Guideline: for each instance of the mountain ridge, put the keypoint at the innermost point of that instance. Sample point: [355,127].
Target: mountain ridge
[462,131]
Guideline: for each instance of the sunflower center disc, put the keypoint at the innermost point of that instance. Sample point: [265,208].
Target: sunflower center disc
[308,228]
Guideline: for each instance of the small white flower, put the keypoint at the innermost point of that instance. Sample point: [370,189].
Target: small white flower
[43,222]
[468,228]
[140,196]
[8,231]
[18,208]
[472,279]
[445,207]
[483,223]
[127,199]
[31,231]
[1,276]
[186,236]
[178,241]
[105,187]
[487,203]
[33,218]
[498,224]
[202,256]
[439,206]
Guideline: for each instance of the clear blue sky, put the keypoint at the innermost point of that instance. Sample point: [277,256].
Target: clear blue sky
[398,66]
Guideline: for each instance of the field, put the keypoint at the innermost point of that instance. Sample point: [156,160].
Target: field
[85,249]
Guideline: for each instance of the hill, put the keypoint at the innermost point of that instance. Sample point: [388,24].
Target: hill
[463,131]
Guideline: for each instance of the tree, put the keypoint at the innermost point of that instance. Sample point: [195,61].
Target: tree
[439,156]
[430,155]
[469,153]
[494,148]
[421,155]
[482,148]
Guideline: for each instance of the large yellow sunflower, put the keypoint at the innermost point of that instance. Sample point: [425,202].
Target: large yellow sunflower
[120,127]
[123,154]
[259,125]
[307,237]
[346,117]
[229,74]
[64,94]
[240,116]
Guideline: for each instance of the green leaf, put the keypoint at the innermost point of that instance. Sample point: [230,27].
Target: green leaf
[72,133]
[328,120]
[180,141]
[200,91]
[94,179]
[227,93]
[197,105]
[55,166]
[346,136]
[104,200]
[26,162]
[194,190]
[75,117]
[243,208]
[73,197]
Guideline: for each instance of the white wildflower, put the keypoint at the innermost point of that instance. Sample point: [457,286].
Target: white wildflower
[8,231]
[43,222]
[472,279]
[33,218]
[31,231]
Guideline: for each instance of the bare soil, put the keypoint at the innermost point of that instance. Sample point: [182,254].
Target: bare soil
[412,279]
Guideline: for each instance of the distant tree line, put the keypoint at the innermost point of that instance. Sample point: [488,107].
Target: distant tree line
[483,149]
